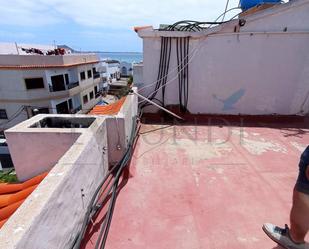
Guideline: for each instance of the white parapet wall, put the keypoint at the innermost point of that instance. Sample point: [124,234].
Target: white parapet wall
[119,128]
[52,215]
[37,150]
[260,68]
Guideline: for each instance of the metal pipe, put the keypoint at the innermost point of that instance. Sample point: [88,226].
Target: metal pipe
[155,104]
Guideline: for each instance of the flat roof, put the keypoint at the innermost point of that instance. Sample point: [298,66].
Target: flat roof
[20,62]
[205,186]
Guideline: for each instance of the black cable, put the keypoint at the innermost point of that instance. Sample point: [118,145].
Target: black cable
[164,63]
[107,222]
[182,53]
[94,206]
[189,25]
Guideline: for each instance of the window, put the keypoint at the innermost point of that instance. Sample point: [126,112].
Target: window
[34,83]
[70,102]
[62,108]
[94,70]
[82,76]
[89,74]
[85,99]
[66,76]
[3,114]
[95,90]
[57,83]
[91,95]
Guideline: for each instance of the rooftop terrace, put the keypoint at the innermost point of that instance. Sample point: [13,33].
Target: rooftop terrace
[10,61]
[206,186]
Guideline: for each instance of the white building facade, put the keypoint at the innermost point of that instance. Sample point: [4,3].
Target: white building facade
[110,70]
[126,69]
[255,66]
[47,84]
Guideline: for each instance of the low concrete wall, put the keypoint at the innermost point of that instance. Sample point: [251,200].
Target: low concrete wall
[52,215]
[119,129]
[36,150]
[46,60]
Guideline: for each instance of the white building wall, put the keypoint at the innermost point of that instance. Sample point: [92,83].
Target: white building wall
[138,75]
[14,95]
[111,69]
[242,73]
[126,68]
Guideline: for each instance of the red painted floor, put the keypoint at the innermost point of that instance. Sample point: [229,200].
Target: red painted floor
[205,187]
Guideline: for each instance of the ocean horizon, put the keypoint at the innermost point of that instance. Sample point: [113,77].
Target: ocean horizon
[129,57]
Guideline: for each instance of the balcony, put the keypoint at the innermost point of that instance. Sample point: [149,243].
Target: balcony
[76,109]
[96,75]
[63,87]
[72,85]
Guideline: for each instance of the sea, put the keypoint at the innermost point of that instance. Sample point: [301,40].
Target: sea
[129,57]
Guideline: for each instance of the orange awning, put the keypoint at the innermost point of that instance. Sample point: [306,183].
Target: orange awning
[111,109]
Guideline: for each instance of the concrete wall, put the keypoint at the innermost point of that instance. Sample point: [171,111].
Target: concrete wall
[138,74]
[259,70]
[119,129]
[52,215]
[46,60]
[36,150]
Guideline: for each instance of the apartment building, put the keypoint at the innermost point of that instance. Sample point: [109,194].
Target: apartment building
[111,72]
[60,84]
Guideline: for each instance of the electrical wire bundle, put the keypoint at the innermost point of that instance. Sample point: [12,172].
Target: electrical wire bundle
[164,63]
[189,25]
[109,186]
[182,47]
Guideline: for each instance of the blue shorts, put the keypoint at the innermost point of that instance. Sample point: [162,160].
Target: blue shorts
[302,184]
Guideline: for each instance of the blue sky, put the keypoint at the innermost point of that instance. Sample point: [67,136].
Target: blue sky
[96,24]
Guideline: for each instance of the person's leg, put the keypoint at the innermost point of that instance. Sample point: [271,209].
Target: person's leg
[294,238]
[299,217]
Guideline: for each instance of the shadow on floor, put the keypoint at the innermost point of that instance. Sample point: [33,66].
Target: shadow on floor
[278,247]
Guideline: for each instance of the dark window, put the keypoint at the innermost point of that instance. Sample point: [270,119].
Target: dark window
[70,102]
[3,114]
[62,108]
[66,76]
[91,95]
[34,83]
[95,90]
[85,99]
[58,83]
[89,73]
[6,161]
[82,76]
[95,73]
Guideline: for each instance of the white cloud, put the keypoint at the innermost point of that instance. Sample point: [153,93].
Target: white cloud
[118,14]
[27,13]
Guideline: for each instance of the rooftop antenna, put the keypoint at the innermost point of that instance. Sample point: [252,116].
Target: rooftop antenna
[155,104]
[17,48]
[55,44]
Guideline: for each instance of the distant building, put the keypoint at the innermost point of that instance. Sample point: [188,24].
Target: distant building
[110,70]
[34,83]
[138,74]
[126,69]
